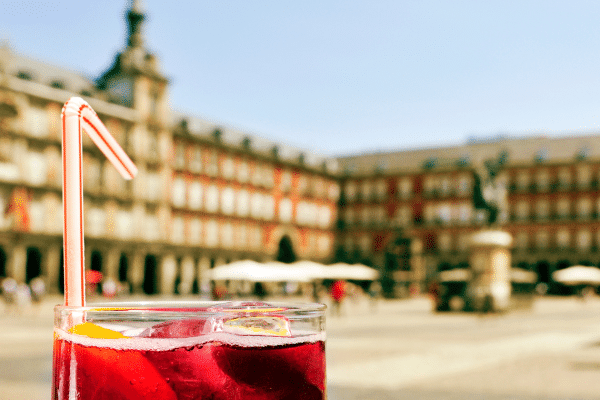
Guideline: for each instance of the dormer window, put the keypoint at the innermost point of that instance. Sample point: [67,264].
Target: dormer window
[56,84]
[24,75]
[541,156]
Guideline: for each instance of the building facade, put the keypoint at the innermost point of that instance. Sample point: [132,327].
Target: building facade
[208,194]
[424,199]
[204,195]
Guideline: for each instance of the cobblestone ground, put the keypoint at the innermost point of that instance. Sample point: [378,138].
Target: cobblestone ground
[395,350]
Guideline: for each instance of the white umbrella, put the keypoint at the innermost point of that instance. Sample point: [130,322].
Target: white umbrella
[312,269]
[455,275]
[248,270]
[358,272]
[578,275]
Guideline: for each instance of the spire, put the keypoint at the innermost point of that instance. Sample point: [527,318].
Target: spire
[135,17]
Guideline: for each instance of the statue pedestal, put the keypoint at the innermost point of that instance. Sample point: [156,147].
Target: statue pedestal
[490,264]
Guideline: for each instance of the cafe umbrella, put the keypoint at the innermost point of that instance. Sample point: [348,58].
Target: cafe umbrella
[578,275]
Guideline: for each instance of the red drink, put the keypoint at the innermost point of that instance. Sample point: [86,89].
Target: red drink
[189,360]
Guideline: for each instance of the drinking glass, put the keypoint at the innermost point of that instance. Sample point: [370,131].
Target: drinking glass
[189,350]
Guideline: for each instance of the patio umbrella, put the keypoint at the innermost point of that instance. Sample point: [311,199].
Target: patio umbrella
[578,275]
[455,275]
[357,272]
[253,271]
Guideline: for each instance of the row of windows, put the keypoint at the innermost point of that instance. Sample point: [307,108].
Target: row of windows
[582,239]
[442,213]
[200,160]
[196,195]
[561,208]
[407,187]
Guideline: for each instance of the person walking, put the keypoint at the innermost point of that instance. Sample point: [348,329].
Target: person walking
[338,293]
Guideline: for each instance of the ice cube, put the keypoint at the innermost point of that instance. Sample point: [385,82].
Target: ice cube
[179,328]
[257,325]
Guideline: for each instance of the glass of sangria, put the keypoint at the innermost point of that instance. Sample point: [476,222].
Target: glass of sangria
[196,350]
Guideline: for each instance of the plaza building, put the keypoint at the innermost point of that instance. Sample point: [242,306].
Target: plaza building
[205,194]
[411,212]
[208,194]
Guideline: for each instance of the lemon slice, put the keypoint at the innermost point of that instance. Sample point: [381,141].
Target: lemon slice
[95,331]
[262,326]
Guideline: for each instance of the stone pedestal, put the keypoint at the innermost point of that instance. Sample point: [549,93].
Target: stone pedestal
[490,262]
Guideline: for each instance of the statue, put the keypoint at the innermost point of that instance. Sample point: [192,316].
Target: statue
[489,193]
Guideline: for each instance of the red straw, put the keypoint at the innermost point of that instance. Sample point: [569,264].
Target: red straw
[77,116]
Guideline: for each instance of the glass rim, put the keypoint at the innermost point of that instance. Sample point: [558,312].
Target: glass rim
[195,306]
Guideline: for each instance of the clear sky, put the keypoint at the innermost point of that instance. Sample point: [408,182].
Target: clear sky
[346,76]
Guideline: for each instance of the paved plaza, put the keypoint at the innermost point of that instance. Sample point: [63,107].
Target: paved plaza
[396,350]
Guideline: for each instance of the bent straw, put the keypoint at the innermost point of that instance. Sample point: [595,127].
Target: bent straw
[77,116]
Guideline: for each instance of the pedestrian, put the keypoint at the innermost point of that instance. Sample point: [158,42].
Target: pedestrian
[338,293]
[374,294]
[9,293]
[38,290]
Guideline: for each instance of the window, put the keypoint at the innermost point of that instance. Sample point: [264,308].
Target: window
[366,190]
[465,183]
[584,239]
[584,208]
[334,191]
[195,231]
[227,235]
[522,210]
[212,168]
[153,186]
[178,192]
[379,215]
[381,189]
[37,171]
[124,224]
[212,233]
[445,214]
[228,167]
[256,204]
[564,178]
[405,187]
[350,191]
[286,181]
[196,160]
[268,207]
[584,176]
[563,208]
[523,181]
[285,210]
[178,230]
[228,201]
[563,238]
[243,172]
[445,242]
[195,195]
[179,162]
[403,216]
[542,239]
[465,213]
[543,180]
[324,219]
[445,186]
[212,198]
[151,230]
[38,123]
[522,240]
[542,209]
[243,203]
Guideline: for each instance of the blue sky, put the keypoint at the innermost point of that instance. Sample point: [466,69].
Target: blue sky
[344,77]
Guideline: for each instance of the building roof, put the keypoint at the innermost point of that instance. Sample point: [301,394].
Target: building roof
[520,151]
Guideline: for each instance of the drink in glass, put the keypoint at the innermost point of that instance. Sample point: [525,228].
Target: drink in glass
[210,350]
